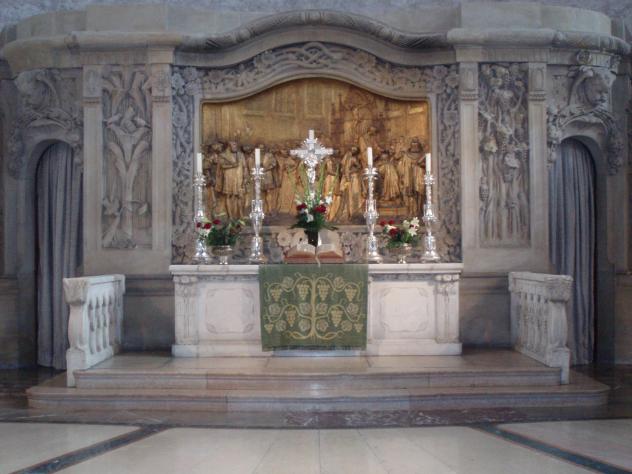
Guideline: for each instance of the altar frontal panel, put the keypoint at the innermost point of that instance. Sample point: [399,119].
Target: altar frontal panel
[313,306]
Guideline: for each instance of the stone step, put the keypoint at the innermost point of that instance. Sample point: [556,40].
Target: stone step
[54,395]
[292,381]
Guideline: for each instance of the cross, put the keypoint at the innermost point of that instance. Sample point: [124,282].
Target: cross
[311,155]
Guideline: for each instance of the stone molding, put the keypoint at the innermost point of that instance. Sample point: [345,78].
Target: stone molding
[335,19]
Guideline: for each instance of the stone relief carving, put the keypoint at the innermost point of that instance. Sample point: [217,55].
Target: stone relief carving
[47,109]
[504,152]
[126,211]
[326,60]
[588,105]
[185,84]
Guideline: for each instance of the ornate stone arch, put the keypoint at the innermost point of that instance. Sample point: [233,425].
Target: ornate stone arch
[587,113]
[437,83]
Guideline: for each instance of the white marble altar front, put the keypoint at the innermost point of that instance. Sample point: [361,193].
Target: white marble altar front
[413,309]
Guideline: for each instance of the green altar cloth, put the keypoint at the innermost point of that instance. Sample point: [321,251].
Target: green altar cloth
[313,307]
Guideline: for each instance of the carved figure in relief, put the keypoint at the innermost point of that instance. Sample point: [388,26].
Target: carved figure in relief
[269,184]
[387,168]
[288,168]
[331,184]
[416,156]
[405,170]
[351,186]
[232,162]
[247,187]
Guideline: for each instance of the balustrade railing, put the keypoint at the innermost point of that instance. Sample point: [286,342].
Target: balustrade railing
[538,317]
[95,322]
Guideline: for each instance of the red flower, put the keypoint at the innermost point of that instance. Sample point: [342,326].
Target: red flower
[392,232]
[216,222]
[301,206]
[198,224]
[391,222]
[321,209]
[382,223]
[207,225]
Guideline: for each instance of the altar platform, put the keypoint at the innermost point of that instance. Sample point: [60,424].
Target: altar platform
[476,379]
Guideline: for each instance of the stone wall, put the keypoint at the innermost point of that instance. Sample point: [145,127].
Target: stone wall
[123,85]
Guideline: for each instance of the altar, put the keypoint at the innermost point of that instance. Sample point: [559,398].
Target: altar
[413,309]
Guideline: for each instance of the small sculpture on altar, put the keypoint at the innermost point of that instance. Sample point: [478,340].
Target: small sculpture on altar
[389,189]
[416,154]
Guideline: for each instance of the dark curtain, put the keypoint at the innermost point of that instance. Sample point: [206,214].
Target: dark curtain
[59,192]
[572,240]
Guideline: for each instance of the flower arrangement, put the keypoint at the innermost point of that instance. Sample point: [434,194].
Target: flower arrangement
[399,234]
[218,232]
[312,211]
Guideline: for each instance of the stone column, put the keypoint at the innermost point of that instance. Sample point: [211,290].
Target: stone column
[160,70]
[539,177]
[468,108]
[92,159]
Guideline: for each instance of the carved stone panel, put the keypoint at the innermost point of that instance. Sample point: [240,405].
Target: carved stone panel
[504,152]
[48,109]
[583,100]
[126,200]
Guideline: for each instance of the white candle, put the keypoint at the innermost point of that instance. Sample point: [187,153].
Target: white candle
[311,134]
[257,158]
[428,164]
[198,163]
[369,156]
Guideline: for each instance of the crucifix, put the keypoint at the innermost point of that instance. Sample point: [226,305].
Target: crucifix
[311,154]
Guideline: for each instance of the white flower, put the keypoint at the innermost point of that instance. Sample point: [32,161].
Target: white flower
[405,224]
[414,222]
[328,199]
[309,218]
[412,231]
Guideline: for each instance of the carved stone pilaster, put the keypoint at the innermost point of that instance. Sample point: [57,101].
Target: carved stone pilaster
[186,292]
[92,85]
[127,140]
[468,88]
[504,210]
[160,83]
[537,82]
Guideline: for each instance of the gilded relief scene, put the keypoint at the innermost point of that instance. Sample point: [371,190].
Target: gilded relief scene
[345,118]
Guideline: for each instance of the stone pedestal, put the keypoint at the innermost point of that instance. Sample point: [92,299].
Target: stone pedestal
[412,310]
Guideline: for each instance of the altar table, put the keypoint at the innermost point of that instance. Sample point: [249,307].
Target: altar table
[413,309]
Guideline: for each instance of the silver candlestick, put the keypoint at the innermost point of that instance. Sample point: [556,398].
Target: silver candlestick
[371,215]
[199,183]
[256,218]
[430,243]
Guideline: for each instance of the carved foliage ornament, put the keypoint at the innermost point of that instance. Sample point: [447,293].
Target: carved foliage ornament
[360,67]
[504,152]
[47,109]
[588,104]
[126,203]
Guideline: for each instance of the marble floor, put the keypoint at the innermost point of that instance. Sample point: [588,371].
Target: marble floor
[551,447]
[449,441]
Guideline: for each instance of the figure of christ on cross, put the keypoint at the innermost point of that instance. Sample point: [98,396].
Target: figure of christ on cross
[311,155]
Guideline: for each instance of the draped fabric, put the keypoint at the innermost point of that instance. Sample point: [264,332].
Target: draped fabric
[59,248]
[572,240]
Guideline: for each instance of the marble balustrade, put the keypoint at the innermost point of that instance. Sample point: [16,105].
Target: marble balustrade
[96,320]
[539,317]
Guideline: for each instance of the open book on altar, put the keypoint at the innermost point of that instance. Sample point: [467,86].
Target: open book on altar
[328,250]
